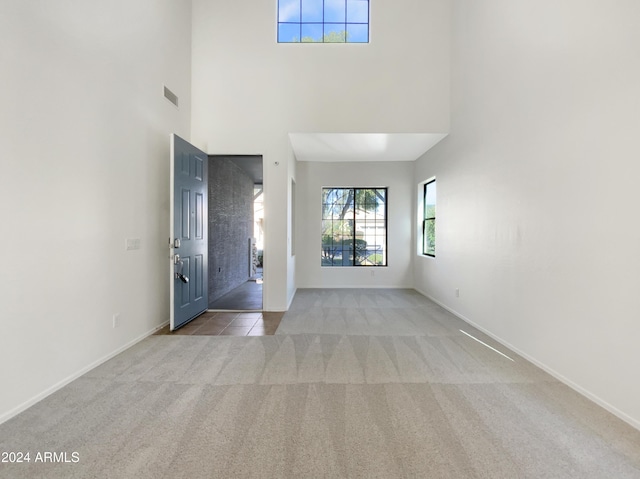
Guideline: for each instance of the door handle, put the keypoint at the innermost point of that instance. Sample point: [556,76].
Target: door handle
[182,277]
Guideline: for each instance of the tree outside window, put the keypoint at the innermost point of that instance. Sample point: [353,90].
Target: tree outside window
[354,227]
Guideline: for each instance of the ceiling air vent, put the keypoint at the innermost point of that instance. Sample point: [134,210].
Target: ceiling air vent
[169,95]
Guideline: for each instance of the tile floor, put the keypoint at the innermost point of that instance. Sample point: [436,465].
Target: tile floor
[230,324]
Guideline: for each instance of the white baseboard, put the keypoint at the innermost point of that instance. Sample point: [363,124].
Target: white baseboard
[576,387]
[59,385]
[358,286]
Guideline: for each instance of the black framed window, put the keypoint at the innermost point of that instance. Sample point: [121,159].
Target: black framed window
[354,227]
[429,221]
[323,21]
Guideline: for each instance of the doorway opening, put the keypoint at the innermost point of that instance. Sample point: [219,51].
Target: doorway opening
[236,235]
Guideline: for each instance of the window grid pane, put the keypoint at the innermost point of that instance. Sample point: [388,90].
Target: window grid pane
[334,33]
[357,33]
[289,11]
[335,11]
[288,32]
[312,11]
[357,11]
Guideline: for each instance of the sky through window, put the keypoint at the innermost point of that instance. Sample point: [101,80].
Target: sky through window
[323,21]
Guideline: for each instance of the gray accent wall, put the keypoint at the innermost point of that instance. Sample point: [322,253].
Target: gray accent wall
[230,225]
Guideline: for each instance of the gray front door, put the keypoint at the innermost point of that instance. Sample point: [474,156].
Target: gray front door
[189,232]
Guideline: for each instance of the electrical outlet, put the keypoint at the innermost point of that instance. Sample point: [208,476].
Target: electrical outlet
[457,293]
[116,320]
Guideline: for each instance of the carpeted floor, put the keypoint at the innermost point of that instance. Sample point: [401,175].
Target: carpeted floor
[356,383]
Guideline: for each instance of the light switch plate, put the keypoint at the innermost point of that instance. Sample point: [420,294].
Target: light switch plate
[133,243]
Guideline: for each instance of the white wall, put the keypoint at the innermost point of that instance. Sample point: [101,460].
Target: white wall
[249,92]
[538,188]
[312,177]
[84,129]
[291,226]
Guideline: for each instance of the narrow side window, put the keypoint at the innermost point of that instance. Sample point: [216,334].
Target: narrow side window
[429,219]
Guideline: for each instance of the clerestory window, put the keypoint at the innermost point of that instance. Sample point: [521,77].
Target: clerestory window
[323,21]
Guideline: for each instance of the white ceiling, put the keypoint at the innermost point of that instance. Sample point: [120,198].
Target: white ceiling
[362,146]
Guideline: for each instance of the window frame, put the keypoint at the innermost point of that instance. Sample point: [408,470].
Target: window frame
[324,25]
[386,226]
[426,219]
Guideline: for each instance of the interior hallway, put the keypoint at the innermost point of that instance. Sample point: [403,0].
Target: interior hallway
[246,297]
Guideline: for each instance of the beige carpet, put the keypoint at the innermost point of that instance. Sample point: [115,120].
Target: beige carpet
[427,402]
